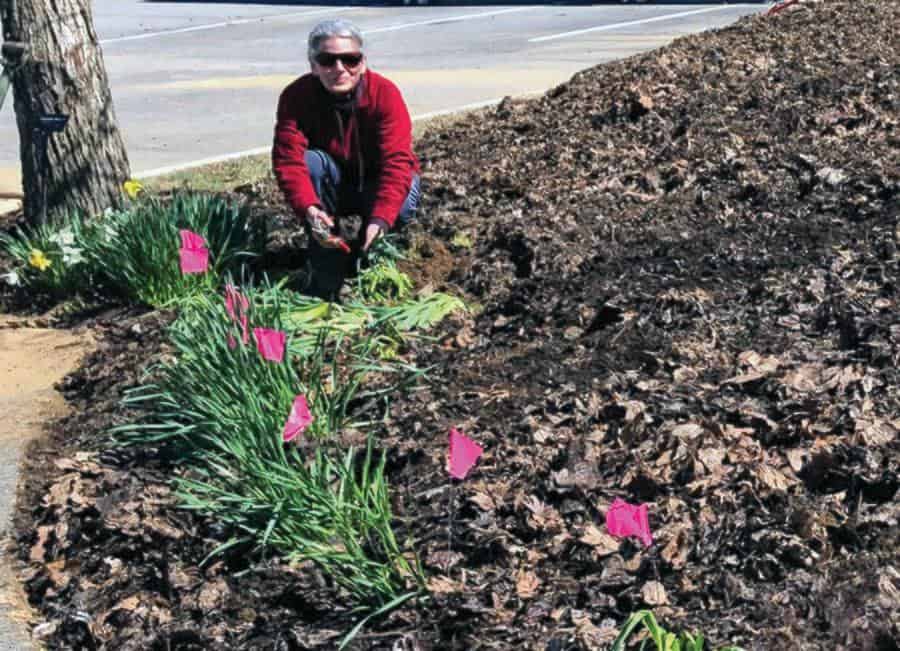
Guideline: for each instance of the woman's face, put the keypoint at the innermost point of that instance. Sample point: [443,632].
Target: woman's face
[339,75]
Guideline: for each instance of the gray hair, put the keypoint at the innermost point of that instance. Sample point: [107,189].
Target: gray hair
[334,28]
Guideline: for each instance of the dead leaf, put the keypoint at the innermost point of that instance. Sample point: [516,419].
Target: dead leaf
[602,543]
[61,490]
[685,374]
[711,458]
[773,479]
[875,432]
[654,594]
[676,551]
[129,603]
[527,584]
[483,501]
[593,637]
[163,528]
[443,560]
[746,378]
[182,579]
[38,550]
[889,587]
[765,365]
[805,379]
[212,595]
[840,377]
[543,434]
[688,431]
[125,520]
[56,573]
[542,516]
[443,585]
[633,564]
[796,458]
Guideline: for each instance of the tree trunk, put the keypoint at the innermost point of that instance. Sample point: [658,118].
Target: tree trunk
[62,72]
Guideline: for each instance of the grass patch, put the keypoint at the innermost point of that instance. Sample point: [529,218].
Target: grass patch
[215,177]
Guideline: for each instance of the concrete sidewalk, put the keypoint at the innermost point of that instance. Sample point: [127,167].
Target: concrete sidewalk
[10,181]
[32,360]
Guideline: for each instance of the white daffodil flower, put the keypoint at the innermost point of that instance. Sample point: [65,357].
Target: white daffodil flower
[109,231]
[64,237]
[12,278]
[71,255]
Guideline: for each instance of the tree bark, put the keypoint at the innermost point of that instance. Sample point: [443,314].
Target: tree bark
[62,72]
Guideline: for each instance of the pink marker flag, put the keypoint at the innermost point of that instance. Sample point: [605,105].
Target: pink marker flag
[299,419]
[270,343]
[191,240]
[624,519]
[193,254]
[464,452]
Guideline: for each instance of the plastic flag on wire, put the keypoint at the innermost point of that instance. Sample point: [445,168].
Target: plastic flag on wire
[194,254]
[270,343]
[299,419]
[462,456]
[464,452]
[624,519]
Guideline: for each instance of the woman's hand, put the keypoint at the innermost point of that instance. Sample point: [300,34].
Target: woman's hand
[320,223]
[373,232]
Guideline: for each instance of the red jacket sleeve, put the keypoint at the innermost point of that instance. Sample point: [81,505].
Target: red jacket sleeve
[395,148]
[288,153]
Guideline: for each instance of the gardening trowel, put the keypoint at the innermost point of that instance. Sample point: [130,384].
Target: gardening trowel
[325,236]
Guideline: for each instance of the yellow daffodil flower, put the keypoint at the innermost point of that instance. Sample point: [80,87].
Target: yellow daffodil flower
[133,188]
[38,260]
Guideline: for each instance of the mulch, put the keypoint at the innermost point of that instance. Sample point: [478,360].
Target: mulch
[685,267]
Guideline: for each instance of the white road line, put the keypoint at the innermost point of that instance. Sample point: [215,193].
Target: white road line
[245,21]
[171,169]
[227,23]
[447,19]
[643,21]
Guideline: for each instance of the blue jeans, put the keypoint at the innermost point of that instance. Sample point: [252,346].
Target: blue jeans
[345,199]
[327,268]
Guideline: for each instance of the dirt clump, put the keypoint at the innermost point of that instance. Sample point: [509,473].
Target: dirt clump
[686,270]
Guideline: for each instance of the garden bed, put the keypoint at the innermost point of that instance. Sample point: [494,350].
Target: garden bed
[685,267]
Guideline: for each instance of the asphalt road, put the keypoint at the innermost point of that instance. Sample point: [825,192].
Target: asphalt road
[194,81]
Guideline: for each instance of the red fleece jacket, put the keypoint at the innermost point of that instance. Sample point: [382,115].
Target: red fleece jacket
[375,140]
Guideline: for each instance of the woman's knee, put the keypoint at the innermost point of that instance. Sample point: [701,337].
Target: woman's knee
[411,204]
[325,176]
[321,166]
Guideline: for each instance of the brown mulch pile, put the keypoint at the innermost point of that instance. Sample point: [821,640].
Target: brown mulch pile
[686,266]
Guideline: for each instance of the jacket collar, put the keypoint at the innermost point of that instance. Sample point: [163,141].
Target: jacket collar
[362,90]
[358,98]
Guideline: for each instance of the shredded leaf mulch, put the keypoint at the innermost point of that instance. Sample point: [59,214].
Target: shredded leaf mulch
[686,271]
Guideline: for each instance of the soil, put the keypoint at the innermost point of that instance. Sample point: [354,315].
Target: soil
[685,267]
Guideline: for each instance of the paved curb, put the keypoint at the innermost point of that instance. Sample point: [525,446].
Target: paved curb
[32,360]
[14,635]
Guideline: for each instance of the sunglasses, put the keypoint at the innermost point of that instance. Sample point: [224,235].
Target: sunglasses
[349,59]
